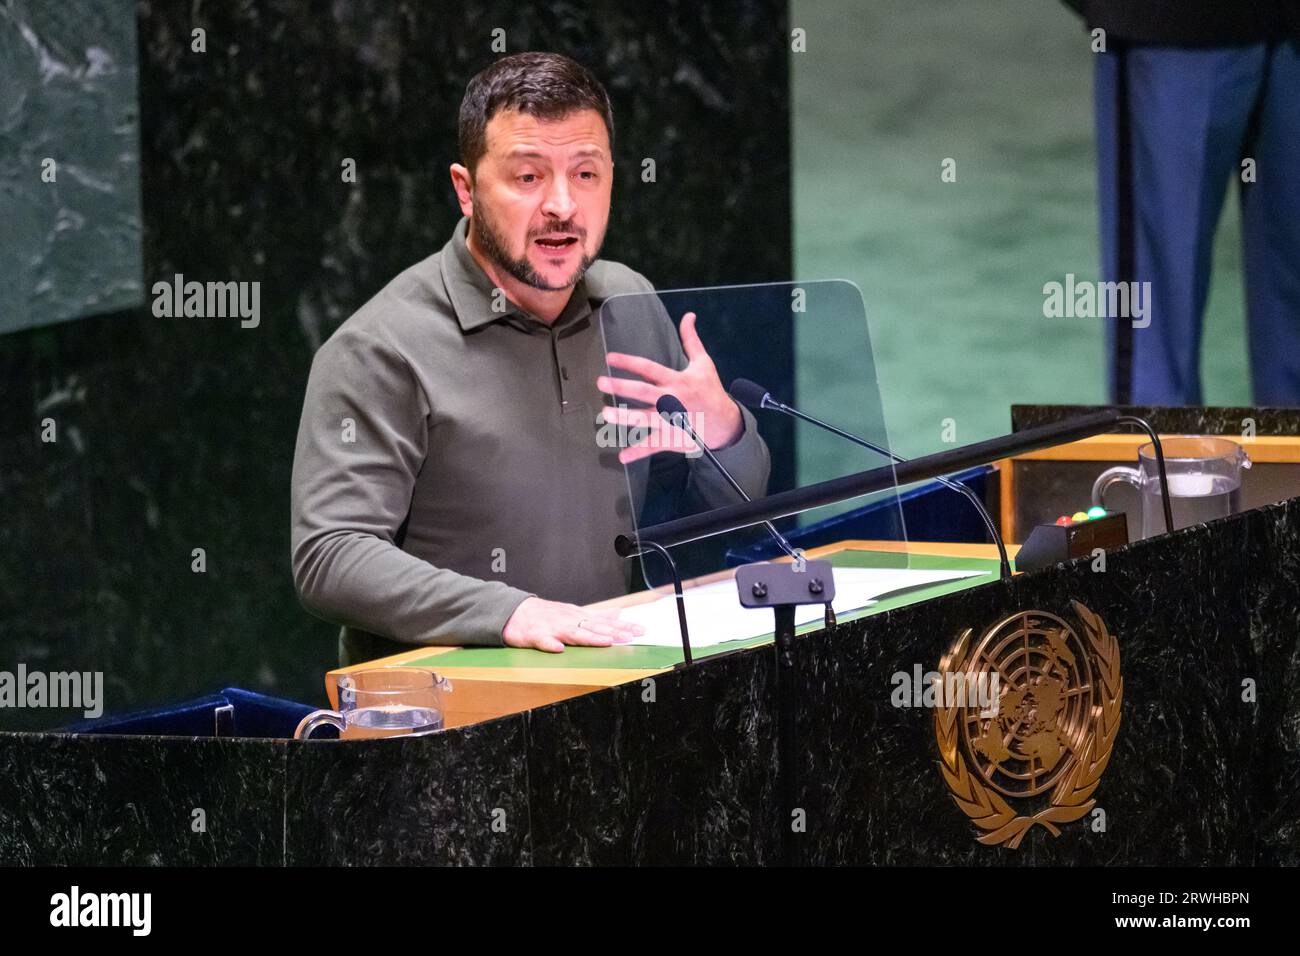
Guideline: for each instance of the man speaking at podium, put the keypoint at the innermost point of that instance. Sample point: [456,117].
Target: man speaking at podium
[449,484]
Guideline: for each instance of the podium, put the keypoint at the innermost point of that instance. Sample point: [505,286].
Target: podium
[1205,768]
[1157,728]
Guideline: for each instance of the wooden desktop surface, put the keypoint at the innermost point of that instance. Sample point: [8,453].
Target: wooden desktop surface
[483,693]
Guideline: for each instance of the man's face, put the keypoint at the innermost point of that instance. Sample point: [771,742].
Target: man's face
[540,196]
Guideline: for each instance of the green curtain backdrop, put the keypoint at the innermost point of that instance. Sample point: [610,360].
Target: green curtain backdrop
[952,273]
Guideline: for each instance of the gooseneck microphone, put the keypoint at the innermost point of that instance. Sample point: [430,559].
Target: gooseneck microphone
[674,412]
[753,395]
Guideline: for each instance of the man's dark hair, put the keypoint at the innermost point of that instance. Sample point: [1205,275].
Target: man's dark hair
[547,86]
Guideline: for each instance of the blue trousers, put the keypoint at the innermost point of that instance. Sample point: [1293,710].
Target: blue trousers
[1173,127]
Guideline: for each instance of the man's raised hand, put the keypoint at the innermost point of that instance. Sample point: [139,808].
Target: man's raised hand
[714,414]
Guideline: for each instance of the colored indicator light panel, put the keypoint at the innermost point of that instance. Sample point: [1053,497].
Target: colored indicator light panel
[1078,516]
[1072,536]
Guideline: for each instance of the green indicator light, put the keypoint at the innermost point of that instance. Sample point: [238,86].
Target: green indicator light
[1096,512]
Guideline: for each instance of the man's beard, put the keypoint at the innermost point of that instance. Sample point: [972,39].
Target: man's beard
[491,244]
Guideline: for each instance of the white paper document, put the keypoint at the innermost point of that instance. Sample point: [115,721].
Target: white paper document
[714,614]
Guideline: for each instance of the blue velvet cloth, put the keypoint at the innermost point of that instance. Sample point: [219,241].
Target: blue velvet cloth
[252,715]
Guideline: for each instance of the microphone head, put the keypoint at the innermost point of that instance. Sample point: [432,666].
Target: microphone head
[669,406]
[749,394]
[625,545]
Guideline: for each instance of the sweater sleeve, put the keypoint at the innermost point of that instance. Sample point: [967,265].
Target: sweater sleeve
[362,439]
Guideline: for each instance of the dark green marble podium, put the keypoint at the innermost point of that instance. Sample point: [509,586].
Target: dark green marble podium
[1198,775]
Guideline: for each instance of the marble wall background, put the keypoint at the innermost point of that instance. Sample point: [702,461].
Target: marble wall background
[69,161]
[1183,420]
[178,434]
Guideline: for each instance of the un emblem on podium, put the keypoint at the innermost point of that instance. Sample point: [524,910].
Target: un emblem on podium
[1038,756]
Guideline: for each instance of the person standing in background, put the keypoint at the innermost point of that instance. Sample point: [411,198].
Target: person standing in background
[1189,94]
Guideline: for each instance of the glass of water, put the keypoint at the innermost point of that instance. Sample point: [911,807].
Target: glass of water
[383,702]
[1204,481]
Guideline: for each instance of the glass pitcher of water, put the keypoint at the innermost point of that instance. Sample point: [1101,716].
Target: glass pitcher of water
[383,702]
[1204,481]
